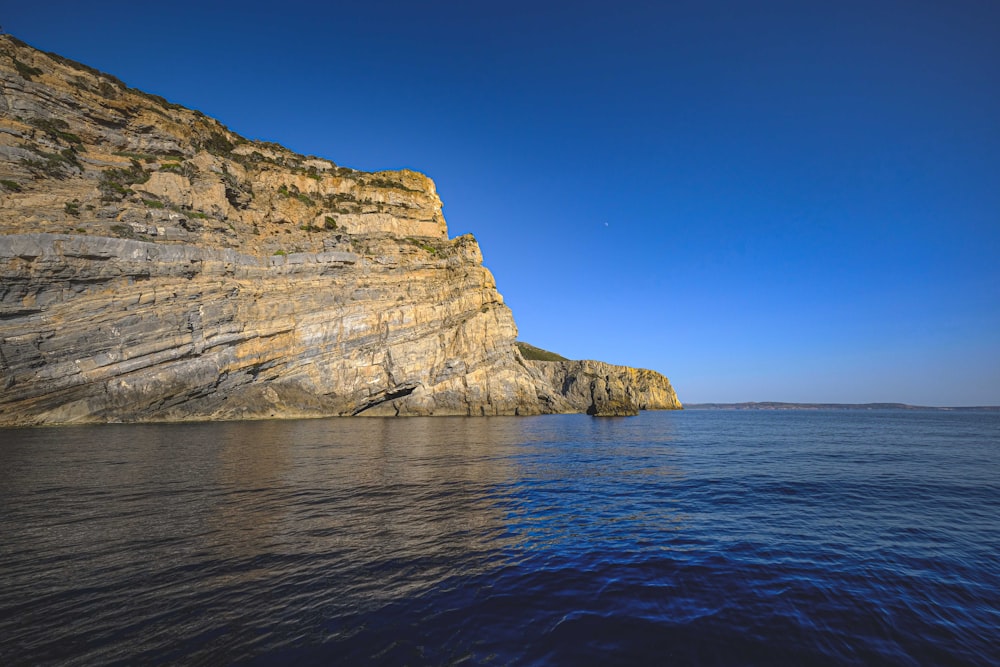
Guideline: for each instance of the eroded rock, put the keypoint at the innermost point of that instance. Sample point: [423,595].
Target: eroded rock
[156,266]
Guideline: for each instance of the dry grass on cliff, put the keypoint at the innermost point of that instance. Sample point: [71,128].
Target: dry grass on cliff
[532,353]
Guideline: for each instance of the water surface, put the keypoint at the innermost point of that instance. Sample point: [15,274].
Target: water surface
[700,537]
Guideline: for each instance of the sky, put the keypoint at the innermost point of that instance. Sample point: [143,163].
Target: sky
[765,201]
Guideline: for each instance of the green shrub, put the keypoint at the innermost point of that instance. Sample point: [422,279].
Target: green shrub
[159,100]
[26,71]
[280,252]
[532,353]
[423,245]
[152,203]
[386,183]
[184,169]
[114,191]
[52,164]
[56,128]
[72,208]
[135,156]
[77,66]
[329,222]
[123,231]
[217,144]
[107,90]
[114,181]
[69,157]
[293,193]
[13,186]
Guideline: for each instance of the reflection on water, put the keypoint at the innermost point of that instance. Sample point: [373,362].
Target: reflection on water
[564,539]
[138,528]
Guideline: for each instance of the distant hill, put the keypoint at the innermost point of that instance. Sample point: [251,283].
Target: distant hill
[774,405]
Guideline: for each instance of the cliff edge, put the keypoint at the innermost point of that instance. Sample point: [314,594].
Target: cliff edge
[155,266]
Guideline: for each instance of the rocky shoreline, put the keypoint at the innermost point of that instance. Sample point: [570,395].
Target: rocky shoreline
[157,267]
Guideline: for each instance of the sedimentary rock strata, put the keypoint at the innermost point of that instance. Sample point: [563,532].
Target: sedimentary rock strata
[156,266]
[604,389]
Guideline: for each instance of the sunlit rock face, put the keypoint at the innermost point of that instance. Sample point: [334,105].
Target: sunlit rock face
[156,266]
[604,389]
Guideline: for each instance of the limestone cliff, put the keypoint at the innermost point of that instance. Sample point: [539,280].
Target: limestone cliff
[603,389]
[156,266]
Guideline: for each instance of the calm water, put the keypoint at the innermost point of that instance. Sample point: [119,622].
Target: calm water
[729,538]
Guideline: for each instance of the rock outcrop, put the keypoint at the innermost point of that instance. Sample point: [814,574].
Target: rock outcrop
[602,389]
[156,266]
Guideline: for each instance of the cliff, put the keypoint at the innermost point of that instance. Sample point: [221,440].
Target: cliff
[156,266]
[602,389]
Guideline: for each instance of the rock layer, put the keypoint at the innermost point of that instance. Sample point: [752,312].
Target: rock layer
[156,266]
[604,389]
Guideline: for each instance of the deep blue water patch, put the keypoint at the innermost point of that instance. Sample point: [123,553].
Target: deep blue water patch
[710,538]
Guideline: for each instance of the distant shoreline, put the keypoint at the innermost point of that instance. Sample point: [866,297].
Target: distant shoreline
[772,405]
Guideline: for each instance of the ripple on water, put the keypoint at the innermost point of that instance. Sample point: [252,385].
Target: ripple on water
[685,538]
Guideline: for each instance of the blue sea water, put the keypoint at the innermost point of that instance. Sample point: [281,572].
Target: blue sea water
[672,538]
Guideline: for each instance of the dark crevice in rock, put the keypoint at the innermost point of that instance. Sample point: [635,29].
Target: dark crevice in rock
[385,397]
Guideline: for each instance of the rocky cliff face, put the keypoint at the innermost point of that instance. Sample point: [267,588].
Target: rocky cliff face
[602,389]
[156,266]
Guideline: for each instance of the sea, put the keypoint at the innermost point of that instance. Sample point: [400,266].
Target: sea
[826,537]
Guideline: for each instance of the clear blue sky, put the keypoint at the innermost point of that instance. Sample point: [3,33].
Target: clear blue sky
[768,200]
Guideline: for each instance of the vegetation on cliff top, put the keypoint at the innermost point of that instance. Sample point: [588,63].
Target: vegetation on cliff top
[84,151]
[532,353]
